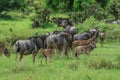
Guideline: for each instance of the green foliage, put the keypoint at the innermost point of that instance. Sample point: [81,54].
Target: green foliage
[103,3]
[60,5]
[114,9]
[101,14]
[6,5]
[88,10]
[99,63]
[77,5]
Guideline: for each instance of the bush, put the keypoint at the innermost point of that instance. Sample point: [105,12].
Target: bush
[99,63]
[114,9]
[88,10]
[10,40]
[7,5]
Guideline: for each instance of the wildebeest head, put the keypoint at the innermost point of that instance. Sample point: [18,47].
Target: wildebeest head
[6,52]
[71,29]
[16,47]
[94,32]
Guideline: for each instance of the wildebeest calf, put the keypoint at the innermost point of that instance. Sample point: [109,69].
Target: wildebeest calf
[46,53]
[84,49]
[81,42]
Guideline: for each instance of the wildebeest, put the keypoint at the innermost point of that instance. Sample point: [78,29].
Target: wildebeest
[87,35]
[25,47]
[61,41]
[70,29]
[102,37]
[76,43]
[63,22]
[29,46]
[35,24]
[84,49]
[4,50]
[82,36]
[46,53]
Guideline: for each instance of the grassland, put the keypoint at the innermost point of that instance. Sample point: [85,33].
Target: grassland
[59,68]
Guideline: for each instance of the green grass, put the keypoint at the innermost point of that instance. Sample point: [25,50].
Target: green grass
[58,68]
[61,68]
[21,26]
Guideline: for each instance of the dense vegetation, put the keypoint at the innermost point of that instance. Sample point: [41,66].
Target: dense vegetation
[18,15]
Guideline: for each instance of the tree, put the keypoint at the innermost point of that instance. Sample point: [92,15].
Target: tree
[103,3]
[6,5]
[114,9]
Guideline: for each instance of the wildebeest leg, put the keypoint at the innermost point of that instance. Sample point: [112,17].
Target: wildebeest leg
[87,53]
[42,59]
[66,52]
[21,56]
[59,52]
[34,53]
[47,59]
[102,43]
[76,56]
[16,56]
[42,56]
[77,53]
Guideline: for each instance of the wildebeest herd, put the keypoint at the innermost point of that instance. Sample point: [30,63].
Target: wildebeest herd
[62,41]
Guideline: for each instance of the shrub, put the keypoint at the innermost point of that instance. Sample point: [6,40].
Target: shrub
[99,63]
[114,9]
[10,40]
[7,5]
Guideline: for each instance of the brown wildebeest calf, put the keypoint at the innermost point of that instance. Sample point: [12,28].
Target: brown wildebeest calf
[81,42]
[4,50]
[46,53]
[102,38]
[84,49]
